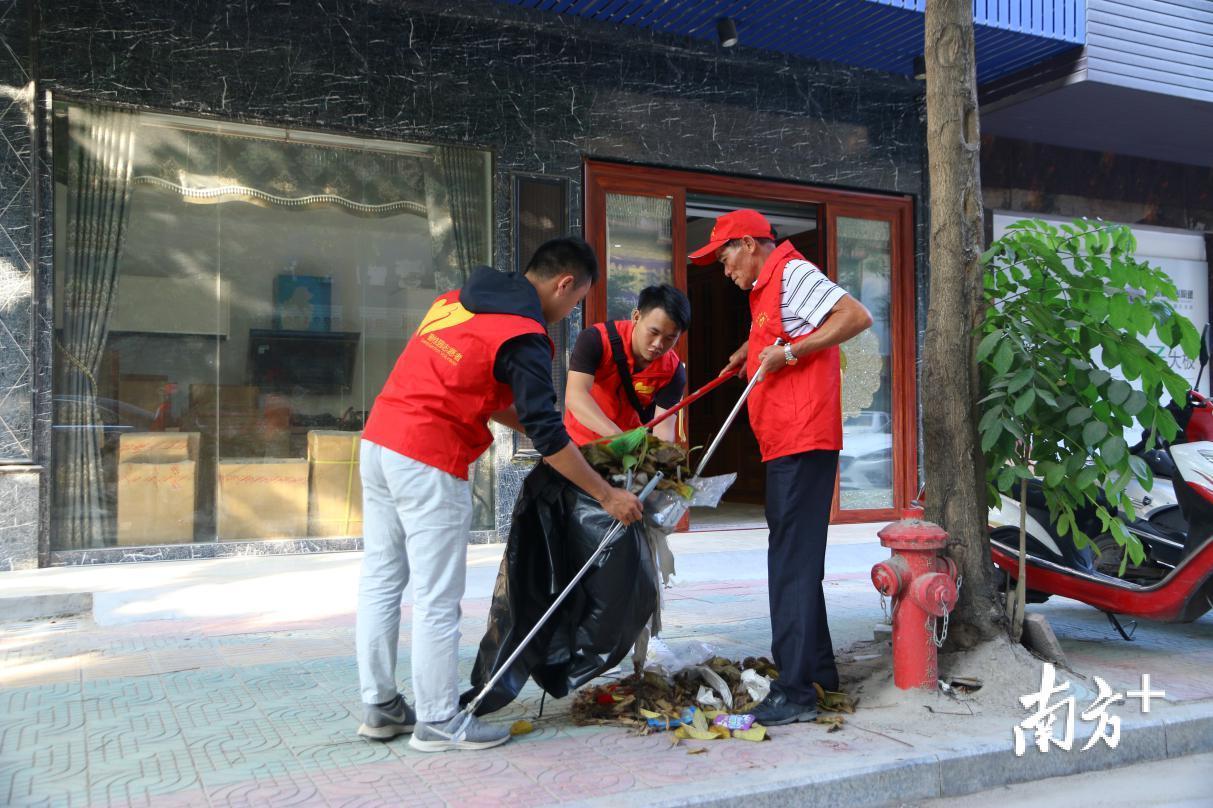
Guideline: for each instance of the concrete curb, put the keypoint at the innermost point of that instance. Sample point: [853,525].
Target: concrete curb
[988,764]
[44,607]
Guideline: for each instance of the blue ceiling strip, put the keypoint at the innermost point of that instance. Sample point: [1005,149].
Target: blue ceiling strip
[766,31]
[696,19]
[683,17]
[630,12]
[879,23]
[830,27]
[875,34]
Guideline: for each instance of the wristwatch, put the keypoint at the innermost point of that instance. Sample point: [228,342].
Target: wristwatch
[788,356]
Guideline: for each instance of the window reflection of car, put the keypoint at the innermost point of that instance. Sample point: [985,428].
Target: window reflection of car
[115,417]
[866,460]
[866,421]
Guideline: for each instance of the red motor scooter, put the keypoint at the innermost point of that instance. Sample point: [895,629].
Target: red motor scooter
[1176,582]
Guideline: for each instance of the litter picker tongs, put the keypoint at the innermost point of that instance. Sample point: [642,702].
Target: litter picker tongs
[616,529]
[665,509]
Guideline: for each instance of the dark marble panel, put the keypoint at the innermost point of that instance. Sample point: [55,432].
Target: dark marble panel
[541,91]
[16,235]
[1040,178]
[19,518]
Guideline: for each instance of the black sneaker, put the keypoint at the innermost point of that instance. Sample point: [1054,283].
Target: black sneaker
[385,721]
[775,710]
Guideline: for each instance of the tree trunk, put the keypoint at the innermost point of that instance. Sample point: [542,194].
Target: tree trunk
[952,460]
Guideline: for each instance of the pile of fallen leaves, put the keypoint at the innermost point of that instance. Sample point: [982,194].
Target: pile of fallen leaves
[643,455]
[651,702]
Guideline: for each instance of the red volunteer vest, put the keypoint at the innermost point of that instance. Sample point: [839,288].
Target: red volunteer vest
[608,386]
[436,404]
[798,408]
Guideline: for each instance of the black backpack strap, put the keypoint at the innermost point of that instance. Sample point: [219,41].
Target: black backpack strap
[625,375]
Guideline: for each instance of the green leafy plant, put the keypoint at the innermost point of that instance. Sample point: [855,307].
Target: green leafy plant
[1066,306]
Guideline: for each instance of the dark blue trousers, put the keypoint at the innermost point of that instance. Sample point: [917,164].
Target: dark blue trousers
[800,488]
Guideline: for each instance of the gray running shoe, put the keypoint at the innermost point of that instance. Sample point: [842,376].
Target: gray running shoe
[439,737]
[385,721]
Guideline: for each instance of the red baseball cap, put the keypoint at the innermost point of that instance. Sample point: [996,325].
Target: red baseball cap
[744,222]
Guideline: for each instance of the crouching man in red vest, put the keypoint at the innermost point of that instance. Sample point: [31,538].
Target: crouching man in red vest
[796,413]
[482,352]
[623,373]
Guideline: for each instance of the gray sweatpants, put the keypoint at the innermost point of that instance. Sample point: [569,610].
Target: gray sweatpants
[416,520]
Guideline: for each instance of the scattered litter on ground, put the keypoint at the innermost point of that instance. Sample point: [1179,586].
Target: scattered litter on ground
[522,727]
[682,705]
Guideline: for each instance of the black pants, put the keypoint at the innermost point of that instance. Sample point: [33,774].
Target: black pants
[799,490]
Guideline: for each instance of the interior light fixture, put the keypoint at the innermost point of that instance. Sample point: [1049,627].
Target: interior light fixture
[726,29]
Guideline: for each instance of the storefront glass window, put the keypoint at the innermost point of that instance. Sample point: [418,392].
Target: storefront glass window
[229,300]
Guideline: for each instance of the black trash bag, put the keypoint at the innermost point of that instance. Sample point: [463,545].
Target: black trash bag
[556,528]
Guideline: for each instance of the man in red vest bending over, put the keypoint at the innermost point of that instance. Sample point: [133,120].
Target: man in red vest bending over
[796,412]
[482,352]
[623,373]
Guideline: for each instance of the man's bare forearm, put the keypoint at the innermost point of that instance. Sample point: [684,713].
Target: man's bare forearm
[848,318]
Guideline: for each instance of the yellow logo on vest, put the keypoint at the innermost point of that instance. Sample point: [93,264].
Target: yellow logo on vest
[644,388]
[762,320]
[443,314]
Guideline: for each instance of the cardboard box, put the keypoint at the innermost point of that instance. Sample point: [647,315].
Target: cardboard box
[157,487]
[143,392]
[234,399]
[261,498]
[157,447]
[335,483]
[156,502]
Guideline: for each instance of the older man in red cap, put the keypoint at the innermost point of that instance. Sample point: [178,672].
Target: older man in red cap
[796,412]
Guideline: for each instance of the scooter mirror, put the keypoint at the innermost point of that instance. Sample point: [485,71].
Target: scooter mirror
[1206,345]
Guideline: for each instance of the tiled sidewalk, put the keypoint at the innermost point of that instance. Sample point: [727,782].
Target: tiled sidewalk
[246,710]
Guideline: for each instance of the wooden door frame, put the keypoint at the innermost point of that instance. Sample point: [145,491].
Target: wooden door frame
[603,177]
[899,213]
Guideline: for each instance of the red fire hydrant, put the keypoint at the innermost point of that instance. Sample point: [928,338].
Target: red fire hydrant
[923,587]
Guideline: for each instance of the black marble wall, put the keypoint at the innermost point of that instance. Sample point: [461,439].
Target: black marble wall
[1052,180]
[19,476]
[542,91]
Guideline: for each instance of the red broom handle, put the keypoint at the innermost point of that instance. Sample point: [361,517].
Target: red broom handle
[698,394]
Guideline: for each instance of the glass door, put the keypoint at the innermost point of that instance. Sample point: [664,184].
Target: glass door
[638,229]
[870,257]
[638,220]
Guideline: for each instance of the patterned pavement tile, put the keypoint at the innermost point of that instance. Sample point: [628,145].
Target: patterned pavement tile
[23,771]
[268,781]
[240,713]
[30,791]
[142,778]
[344,750]
[127,736]
[233,745]
[373,784]
[23,700]
[31,728]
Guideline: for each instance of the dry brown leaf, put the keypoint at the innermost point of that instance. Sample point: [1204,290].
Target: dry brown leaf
[698,750]
[522,727]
